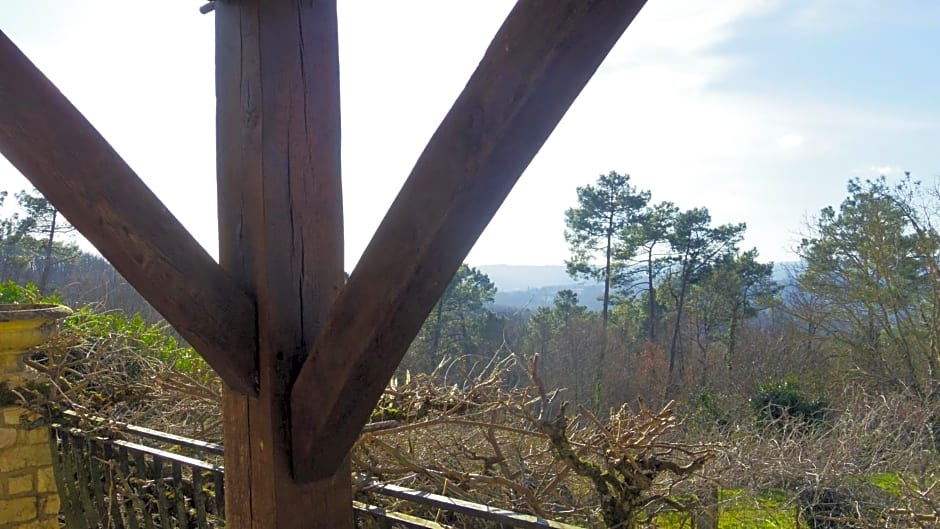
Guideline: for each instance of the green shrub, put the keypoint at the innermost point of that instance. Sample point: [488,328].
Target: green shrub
[780,401]
[121,331]
[711,411]
[11,292]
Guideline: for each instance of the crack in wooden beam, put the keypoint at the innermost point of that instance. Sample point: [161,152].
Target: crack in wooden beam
[539,61]
[62,154]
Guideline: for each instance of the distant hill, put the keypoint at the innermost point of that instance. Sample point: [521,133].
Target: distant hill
[522,277]
[531,286]
[535,286]
[534,298]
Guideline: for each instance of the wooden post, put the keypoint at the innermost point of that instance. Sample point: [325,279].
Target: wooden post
[281,237]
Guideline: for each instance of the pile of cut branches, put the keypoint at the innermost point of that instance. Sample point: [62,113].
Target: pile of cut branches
[519,448]
[107,368]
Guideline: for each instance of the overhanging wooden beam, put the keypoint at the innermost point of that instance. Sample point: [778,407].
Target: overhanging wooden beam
[62,154]
[537,64]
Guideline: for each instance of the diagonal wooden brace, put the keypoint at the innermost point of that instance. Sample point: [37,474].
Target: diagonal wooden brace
[539,61]
[62,154]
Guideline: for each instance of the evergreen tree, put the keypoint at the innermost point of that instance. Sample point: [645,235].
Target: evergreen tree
[43,222]
[649,243]
[696,245]
[596,230]
[567,339]
[875,263]
[461,322]
[731,291]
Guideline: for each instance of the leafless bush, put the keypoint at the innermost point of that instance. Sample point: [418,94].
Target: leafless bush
[518,448]
[123,376]
[873,460]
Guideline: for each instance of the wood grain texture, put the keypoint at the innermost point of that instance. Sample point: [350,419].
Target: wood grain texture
[62,154]
[539,61]
[281,236]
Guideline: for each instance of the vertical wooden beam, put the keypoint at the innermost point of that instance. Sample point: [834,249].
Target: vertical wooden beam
[281,236]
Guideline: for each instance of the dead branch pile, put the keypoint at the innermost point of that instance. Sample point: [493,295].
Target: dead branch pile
[873,463]
[124,376]
[518,448]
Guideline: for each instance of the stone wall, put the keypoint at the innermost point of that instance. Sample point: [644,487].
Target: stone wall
[28,497]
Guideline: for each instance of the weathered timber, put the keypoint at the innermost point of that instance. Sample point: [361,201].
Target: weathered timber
[140,431]
[115,483]
[539,61]
[281,237]
[503,517]
[389,518]
[62,154]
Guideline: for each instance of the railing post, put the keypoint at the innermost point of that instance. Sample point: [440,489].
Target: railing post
[28,496]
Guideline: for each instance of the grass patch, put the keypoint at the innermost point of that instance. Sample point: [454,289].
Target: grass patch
[769,510]
[889,482]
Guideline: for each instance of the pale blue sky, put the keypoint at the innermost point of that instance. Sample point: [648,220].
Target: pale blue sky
[760,110]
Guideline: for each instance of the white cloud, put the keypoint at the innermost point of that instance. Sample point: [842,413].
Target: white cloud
[878,170]
[834,16]
[789,141]
[690,27]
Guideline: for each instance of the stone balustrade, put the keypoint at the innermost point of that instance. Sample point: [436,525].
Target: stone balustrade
[28,496]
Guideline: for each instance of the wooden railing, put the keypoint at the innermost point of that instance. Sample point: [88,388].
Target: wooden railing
[445,504]
[111,482]
[117,481]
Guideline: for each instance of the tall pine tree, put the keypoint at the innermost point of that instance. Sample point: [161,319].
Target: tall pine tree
[596,230]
